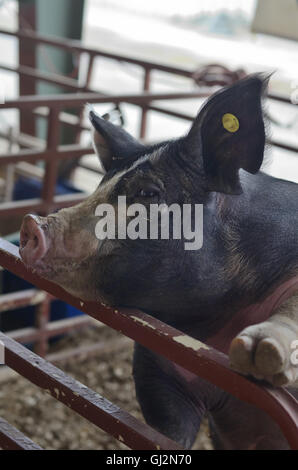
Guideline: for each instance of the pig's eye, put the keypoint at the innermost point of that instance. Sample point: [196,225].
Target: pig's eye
[149,192]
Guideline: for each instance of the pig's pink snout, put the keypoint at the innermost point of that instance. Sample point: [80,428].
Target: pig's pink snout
[33,240]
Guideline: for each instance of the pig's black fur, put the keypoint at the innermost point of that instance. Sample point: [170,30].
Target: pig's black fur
[250,247]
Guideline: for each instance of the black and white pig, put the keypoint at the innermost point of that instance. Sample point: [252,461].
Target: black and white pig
[239,292]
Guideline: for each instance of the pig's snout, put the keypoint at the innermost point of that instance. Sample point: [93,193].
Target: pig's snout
[33,240]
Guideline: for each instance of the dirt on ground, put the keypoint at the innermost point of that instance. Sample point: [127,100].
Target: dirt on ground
[51,424]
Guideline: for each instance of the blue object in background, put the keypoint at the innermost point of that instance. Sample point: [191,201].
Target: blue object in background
[24,317]
[29,188]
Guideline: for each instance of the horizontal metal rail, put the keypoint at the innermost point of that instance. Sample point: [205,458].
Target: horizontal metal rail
[75,46]
[24,298]
[52,78]
[96,349]
[12,439]
[83,400]
[52,329]
[77,100]
[191,354]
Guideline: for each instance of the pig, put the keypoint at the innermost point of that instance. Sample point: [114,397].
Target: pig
[238,292]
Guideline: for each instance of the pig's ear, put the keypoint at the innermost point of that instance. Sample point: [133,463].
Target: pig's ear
[112,142]
[229,133]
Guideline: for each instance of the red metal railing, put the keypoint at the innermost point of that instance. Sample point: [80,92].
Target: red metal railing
[198,358]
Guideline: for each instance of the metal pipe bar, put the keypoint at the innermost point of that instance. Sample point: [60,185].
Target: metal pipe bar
[283,146]
[12,439]
[178,347]
[24,298]
[38,206]
[76,46]
[83,400]
[53,328]
[73,100]
[21,207]
[146,87]
[91,350]
[27,15]
[52,78]
[24,140]
[33,155]
[66,119]
[51,168]
[42,316]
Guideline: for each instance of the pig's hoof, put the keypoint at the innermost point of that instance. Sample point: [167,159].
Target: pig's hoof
[264,351]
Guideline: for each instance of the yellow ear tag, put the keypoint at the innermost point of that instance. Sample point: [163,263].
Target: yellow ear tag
[230,122]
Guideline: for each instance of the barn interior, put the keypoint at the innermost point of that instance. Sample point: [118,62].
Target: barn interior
[148,67]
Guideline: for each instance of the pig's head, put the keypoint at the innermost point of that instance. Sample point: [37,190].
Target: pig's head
[227,135]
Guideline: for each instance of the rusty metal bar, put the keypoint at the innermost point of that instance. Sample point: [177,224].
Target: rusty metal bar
[76,46]
[24,298]
[191,354]
[87,83]
[53,328]
[89,70]
[43,329]
[101,347]
[64,118]
[77,100]
[24,140]
[47,77]
[33,155]
[146,87]
[37,205]
[12,439]
[84,401]
[71,120]
[51,169]
[27,17]
[169,112]
[42,316]
[283,146]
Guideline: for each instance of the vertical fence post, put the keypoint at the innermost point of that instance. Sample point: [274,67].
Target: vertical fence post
[42,315]
[51,167]
[89,70]
[86,85]
[27,18]
[146,87]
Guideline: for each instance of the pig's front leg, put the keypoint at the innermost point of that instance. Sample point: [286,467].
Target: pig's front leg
[267,350]
[166,403]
